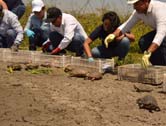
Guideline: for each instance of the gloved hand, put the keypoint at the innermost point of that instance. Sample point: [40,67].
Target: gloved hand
[14,47]
[90,59]
[55,51]
[45,46]
[30,33]
[109,39]
[145,59]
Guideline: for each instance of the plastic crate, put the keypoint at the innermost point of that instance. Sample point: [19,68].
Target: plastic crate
[135,73]
[98,64]
[53,60]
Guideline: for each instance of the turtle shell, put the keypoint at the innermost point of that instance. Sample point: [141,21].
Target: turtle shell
[78,72]
[94,76]
[148,102]
[15,67]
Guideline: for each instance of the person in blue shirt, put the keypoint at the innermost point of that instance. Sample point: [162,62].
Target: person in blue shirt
[36,29]
[119,47]
[16,6]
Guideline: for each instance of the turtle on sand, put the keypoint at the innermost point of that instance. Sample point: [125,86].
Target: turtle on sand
[31,66]
[78,72]
[93,76]
[14,66]
[142,88]
[148,102]
[68,68]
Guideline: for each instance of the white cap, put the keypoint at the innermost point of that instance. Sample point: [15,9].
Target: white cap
[132,1]
[37,5]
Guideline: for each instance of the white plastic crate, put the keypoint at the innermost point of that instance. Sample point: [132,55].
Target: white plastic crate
[97,65]
[53,60]
[135,73]
[25,56]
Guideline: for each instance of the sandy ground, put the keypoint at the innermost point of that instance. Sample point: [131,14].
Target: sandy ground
[58,100]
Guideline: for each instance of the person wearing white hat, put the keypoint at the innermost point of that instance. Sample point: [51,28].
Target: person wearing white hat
[16,6]
[153,44]
[36,29]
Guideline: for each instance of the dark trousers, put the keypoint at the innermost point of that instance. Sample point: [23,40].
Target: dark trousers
[37,40]
[76,44]
[159,56]
[8,40]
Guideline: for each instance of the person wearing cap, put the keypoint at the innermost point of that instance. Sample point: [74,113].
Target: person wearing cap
[11,31]
[66,33]
[110,22]
[36,29]
[16,6]
[153,44]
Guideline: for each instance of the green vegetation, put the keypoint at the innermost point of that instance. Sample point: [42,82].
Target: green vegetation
[89,22]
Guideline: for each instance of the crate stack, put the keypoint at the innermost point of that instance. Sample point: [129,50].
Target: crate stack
[37,57]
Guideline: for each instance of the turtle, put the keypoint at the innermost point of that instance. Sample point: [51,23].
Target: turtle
[148,102]
[93,76]
[68,68]
[31,66]
[47,65]
[142,88]
[78,72]
[14,66]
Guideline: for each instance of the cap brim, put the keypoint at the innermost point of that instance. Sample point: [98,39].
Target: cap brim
[49,20]
[132,2]
[36,9]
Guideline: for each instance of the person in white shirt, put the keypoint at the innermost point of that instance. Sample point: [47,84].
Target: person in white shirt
[11,31]
[153,44]
[66,33]
[36,29]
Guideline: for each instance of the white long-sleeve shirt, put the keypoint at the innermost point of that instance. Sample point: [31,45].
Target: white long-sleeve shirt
[155,18]
[10,21]
[68,28]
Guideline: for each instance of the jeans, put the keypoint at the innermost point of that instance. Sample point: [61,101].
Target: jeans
[76,44]
[8,40]
[119,49]
[19,10]
[39,38]
[159,56]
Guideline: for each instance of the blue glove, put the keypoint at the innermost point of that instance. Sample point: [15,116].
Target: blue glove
[30,33]
[90,59]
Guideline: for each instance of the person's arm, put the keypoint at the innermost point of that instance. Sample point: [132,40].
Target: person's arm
[15,24]
[3,4]
[28,23]
[130,36]
[87,47]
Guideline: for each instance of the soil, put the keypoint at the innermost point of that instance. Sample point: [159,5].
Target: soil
[56,99]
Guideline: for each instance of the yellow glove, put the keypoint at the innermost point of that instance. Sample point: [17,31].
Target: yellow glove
[109,39]
[145,59]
